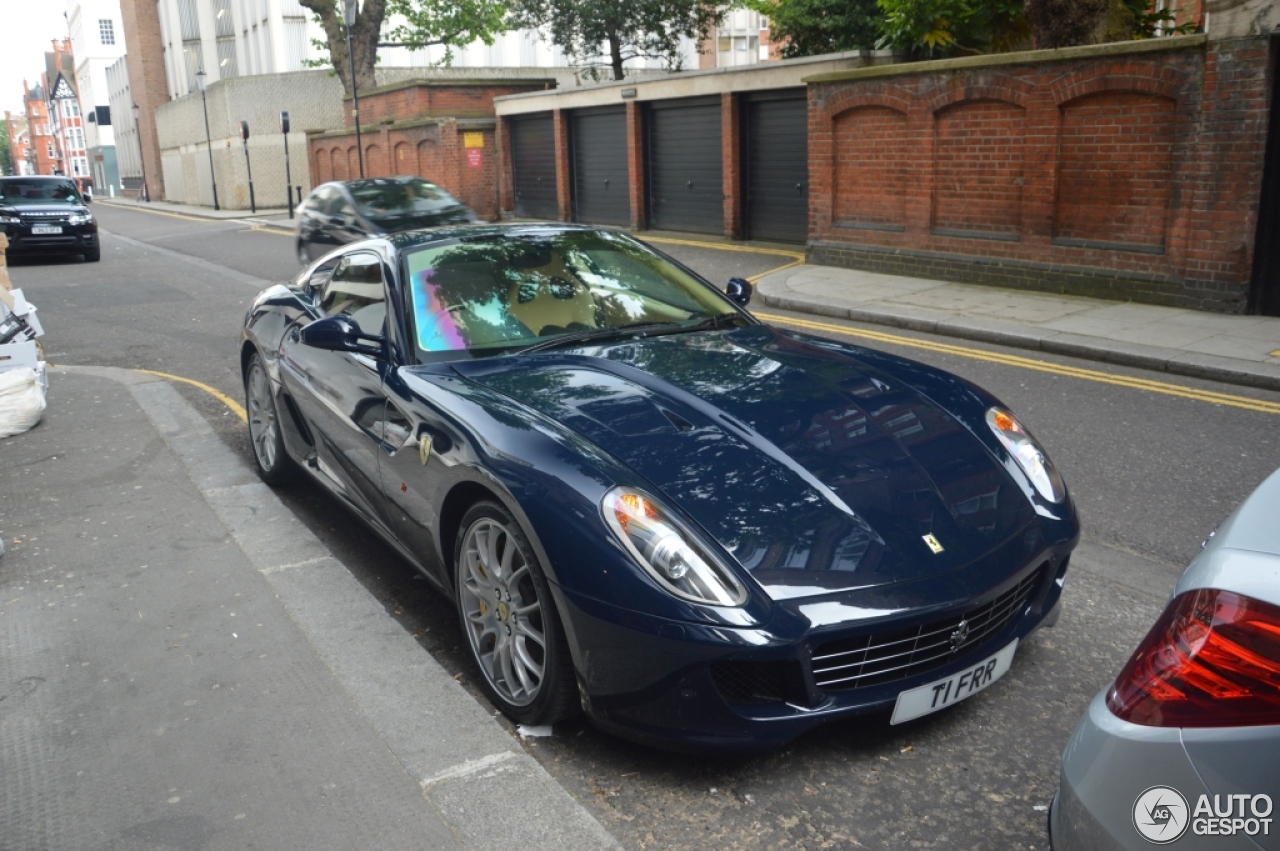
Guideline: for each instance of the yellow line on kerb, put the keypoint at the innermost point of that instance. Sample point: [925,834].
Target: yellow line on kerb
[236,407]
[1146,384]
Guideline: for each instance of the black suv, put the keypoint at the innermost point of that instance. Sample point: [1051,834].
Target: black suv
[47,215]
[345,211]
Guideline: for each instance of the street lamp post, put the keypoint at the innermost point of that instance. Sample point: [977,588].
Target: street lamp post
[208,142]
[349,18]
[142,165]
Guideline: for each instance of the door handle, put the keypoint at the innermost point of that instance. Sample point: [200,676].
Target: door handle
[799,188]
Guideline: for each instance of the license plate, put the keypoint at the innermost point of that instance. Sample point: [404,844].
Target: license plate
[955,688]
[39,229]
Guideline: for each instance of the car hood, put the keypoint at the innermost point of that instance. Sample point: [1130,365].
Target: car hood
[816,472]
[43,210]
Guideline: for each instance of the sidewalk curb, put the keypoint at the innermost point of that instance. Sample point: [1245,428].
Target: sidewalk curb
[443,738]
[1155,358]
[189,210]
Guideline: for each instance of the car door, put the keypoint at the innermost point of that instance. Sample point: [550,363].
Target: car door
[339,394]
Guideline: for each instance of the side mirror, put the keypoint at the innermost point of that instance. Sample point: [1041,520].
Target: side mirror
[739,291]
[340,334]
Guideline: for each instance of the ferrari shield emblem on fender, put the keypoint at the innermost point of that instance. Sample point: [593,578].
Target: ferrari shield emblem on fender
[424,448]
[934,544]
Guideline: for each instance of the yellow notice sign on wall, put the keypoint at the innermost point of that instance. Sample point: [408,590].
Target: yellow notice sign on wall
[473,140]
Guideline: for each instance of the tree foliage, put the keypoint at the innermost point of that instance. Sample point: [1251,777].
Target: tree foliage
[812,27]
[606,33]
[936,28]
[6,156]
[421,24]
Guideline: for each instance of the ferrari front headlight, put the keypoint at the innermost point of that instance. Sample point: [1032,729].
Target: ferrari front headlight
[667,551]
[1028,454]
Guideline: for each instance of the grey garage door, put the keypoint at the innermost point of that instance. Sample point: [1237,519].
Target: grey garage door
[533,156]
[600,167]
[686,189]
[776,177]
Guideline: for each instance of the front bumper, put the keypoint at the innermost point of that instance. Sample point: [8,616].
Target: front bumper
[74,239]
[713,688]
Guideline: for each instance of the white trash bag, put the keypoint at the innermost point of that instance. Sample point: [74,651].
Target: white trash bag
[21,401]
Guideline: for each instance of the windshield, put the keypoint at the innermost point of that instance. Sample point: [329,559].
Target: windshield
[385,198]
[493,293]
[30,192]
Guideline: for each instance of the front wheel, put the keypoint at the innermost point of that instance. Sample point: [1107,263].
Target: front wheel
[510,620]
[304,253]
[274,465]
[93,255]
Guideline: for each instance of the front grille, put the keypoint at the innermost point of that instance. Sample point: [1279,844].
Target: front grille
[869,660]
[754,683]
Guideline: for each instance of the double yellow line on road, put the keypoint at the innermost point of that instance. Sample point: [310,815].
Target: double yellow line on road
[1146,384]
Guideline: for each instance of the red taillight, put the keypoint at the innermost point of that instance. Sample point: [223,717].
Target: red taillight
[1212,660]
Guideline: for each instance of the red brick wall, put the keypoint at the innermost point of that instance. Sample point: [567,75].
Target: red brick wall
[1143,169]
[424,100]
[872,167]
[435,151]
[731,163]
[977,166]
[1116,168]
[636,165]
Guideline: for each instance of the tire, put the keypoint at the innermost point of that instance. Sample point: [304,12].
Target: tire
[509,618]
[93,255]
[304,253]
[274,465]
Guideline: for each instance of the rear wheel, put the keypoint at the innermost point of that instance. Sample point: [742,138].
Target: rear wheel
[510,620]
[274,465]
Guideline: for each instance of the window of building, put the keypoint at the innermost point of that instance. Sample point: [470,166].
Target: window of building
[76,138]
[48,147]
[70,109]
[106,32]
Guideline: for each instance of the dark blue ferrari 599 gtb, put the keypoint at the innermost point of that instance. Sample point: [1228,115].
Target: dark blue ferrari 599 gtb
[702,530]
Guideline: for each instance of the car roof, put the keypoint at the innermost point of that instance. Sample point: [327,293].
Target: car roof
[412,239]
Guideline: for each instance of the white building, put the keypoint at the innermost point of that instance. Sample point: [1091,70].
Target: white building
[234,38]
[125,129]
[97,41]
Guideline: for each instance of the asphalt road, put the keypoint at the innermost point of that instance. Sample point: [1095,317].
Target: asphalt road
[1151,475]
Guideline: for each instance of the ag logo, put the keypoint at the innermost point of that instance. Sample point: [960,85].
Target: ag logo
[1160,814]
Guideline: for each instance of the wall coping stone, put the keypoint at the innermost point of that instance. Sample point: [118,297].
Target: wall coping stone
[463,123]
[464,82]
[1023,57]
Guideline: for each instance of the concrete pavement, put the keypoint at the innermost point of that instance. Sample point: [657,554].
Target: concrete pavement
[196,211]
[184,665]
[1241,350]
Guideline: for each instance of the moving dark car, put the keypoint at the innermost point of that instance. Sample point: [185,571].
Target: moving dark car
[47,215]
[704,531]
[335,214]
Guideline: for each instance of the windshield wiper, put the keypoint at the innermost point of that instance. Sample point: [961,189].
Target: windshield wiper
[592,334]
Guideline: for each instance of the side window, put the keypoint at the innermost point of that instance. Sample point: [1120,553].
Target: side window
[356,290]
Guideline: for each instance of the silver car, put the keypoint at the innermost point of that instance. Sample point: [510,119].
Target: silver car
[1184,747]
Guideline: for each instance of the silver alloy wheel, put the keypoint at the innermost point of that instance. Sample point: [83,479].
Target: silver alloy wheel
[501,612]
[263,429]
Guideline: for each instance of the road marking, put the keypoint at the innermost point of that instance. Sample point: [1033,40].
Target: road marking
[1147,384]
[270,229]
[799,261]
[236,407]
[471,766]
[720,246]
